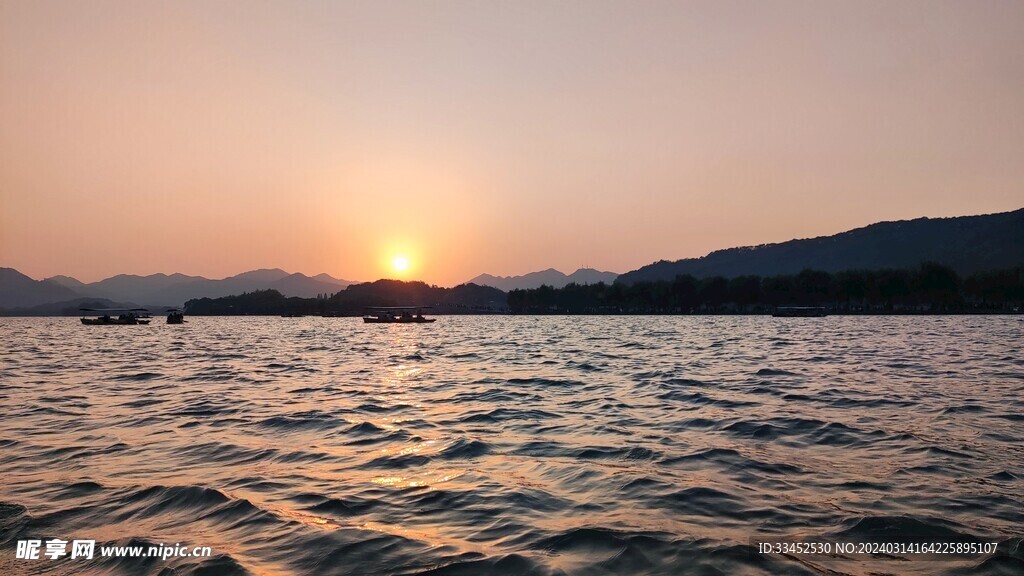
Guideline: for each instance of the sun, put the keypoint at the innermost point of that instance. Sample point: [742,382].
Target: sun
[400,263]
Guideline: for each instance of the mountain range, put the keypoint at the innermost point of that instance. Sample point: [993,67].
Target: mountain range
[966,244]
[549,277]
[20,291]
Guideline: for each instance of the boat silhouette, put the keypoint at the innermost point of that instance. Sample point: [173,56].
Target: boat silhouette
[105,316]
[396,315]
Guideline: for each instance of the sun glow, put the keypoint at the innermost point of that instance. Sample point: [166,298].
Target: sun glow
[400,263]
[399,259]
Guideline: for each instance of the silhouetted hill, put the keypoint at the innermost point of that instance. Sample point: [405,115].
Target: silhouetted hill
[967,244]
[305,286]
[260,276]
[353,299]
[159,288]
[398,293]
[585,276]
[18,290]
[68,282]
[549,277]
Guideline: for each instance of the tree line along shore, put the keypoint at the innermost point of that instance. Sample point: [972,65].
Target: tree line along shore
[928,289]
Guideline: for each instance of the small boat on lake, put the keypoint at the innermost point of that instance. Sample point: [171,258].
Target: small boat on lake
[115,316]
[396,315]
[175,316]
[799,312]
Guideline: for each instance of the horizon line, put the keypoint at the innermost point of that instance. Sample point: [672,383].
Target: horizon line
[502,277]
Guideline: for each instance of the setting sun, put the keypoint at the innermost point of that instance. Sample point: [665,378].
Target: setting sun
[400,263]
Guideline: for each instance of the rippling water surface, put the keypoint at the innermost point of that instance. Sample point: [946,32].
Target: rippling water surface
[513,445]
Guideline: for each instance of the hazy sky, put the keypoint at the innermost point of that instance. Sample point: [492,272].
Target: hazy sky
[214,137]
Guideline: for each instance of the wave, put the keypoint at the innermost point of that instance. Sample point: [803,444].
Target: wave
[504,414]
[904,529]
[311,420]
[464,448]
[775,372]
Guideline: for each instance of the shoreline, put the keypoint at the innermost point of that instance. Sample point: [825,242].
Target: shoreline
[562,313]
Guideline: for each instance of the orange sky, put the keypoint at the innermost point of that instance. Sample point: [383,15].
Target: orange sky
[505,137]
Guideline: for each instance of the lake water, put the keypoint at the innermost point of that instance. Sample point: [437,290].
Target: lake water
[514,445]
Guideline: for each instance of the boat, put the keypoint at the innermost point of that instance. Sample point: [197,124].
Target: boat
[396,315]
[106,316]
[799,312]
[175,316]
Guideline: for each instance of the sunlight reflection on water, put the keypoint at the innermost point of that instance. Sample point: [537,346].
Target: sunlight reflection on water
[624,445]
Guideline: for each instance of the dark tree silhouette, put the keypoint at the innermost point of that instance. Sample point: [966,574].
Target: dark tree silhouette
[931,288]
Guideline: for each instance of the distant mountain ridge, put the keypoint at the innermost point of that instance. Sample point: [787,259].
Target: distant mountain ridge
[967,244]
[18,291]
[549,277]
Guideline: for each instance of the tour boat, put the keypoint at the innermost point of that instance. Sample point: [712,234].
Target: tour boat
[396,315]
[124,316]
